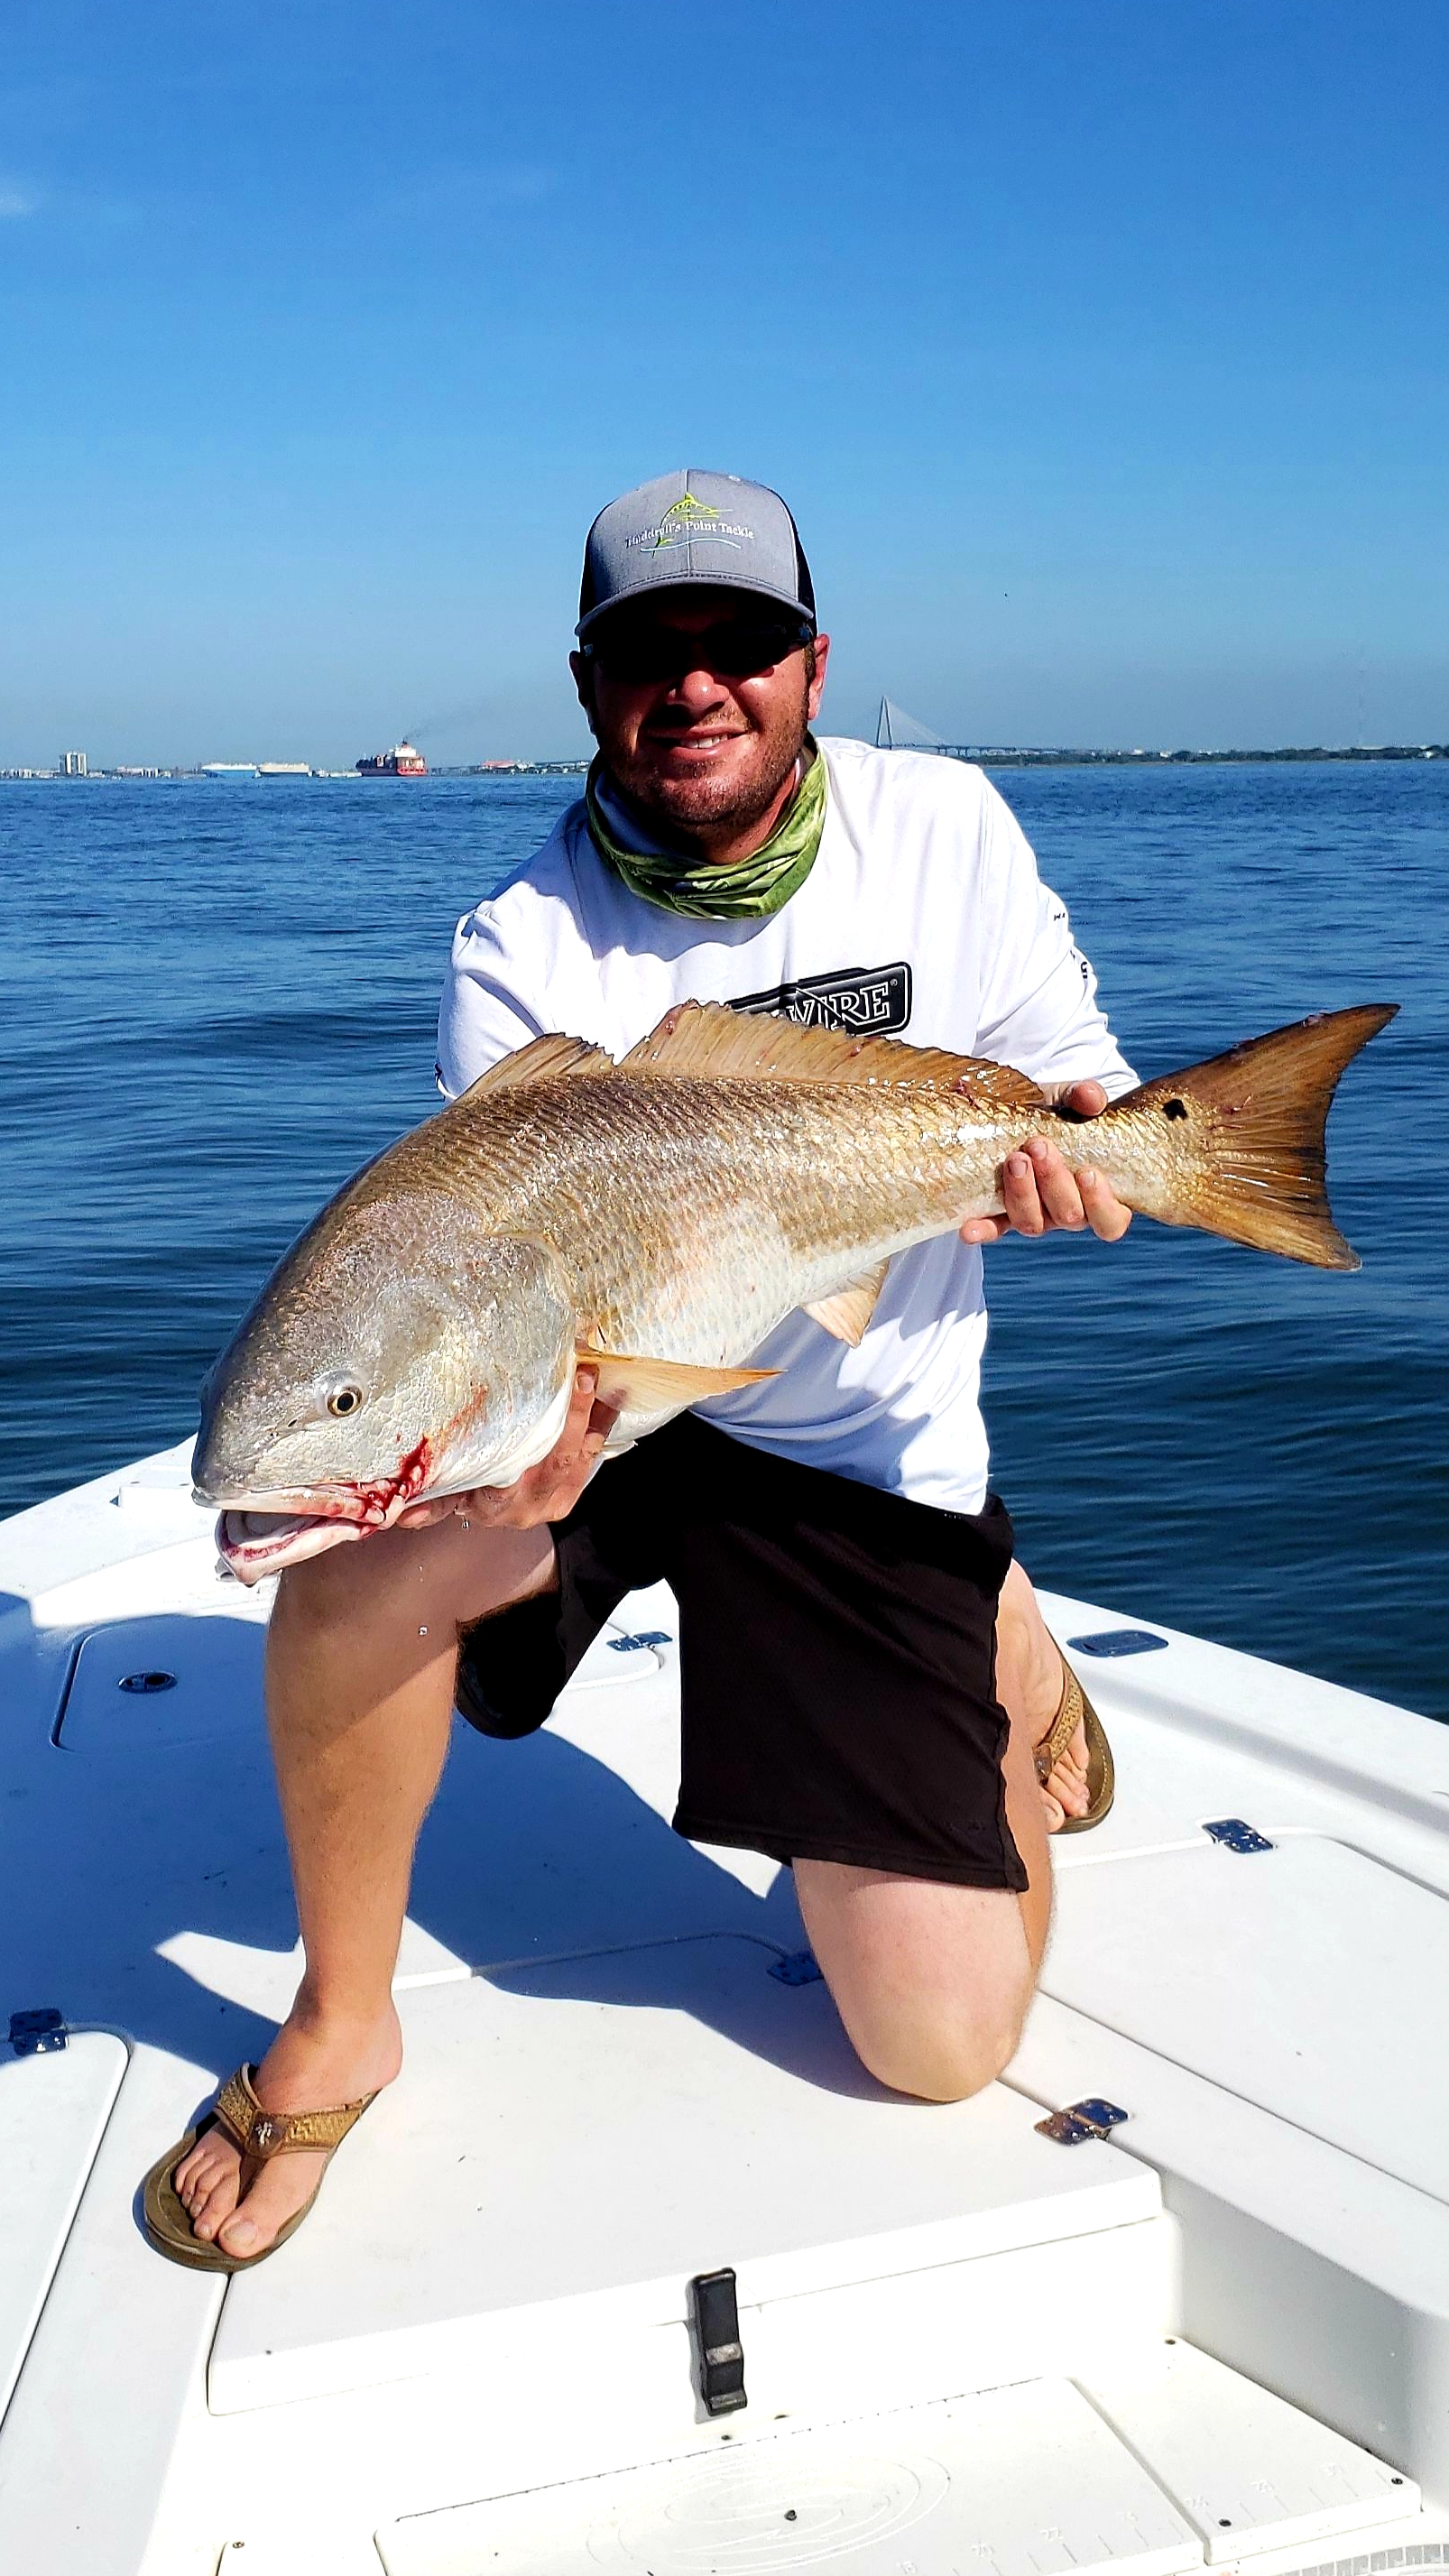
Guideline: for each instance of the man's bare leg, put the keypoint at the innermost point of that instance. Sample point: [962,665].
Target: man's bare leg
[361,1669]
[361,1664]
[933,1982]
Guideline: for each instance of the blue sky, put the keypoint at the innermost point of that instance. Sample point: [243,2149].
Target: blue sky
[1100,348]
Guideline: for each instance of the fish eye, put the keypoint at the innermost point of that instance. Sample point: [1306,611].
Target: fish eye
[344,1399]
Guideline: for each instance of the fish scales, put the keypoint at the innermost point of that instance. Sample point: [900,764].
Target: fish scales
[705,1212]
[659,1219]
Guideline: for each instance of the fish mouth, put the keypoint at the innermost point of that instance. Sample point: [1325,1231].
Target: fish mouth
[255,1543]
[260,1534]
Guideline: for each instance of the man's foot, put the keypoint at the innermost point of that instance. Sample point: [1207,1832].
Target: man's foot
[1064,1792]
[309,2067]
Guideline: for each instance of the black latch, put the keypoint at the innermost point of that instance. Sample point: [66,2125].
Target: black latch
[721,2354]
[35,2034]
[1234,1835]
[1093,2118]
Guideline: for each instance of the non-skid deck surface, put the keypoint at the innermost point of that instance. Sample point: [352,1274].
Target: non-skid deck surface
[934,2491]
[1173,2464]
[604,2128]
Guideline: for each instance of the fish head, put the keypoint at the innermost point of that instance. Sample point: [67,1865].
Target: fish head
[398,1350]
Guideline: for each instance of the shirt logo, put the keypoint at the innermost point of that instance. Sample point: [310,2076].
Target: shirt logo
[866,1001]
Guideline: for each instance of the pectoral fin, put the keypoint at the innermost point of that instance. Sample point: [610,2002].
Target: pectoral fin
[847,1312]
[654,1386]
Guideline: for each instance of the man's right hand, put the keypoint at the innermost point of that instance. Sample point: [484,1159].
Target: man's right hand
[546,1492]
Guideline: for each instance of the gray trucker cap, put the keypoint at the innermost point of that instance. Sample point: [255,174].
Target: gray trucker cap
[689,527]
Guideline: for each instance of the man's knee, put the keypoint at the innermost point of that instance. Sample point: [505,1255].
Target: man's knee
[931,1981]
[937,2057]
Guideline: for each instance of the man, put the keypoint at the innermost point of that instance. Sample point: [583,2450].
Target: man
[835,1518]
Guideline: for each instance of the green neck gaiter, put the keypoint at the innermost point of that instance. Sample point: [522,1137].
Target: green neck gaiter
[747,891]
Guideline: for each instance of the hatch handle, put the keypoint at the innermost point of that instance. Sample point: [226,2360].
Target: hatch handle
[716,2316]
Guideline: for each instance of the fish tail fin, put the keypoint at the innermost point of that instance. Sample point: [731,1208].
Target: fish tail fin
[1252,1123]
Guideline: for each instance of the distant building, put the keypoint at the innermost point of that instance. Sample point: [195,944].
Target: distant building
[74,764]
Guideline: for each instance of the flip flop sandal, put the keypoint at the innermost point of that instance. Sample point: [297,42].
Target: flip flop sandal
[1074,1710]
[260,2134]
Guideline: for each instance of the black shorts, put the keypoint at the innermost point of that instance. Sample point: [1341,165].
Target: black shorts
[837,1652]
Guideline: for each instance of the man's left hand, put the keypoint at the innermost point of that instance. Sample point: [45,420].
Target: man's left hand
[1042,1193]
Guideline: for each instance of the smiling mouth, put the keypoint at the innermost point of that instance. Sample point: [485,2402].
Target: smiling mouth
[712,741]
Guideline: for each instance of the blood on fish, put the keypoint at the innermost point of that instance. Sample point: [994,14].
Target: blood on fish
[374,1501]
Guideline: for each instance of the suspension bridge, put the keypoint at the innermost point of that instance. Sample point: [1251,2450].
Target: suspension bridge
[897,731]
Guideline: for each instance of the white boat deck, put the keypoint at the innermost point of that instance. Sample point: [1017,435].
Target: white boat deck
[1218,2336]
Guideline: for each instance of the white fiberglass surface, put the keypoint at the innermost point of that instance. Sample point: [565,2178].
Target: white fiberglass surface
[615,2124]
[53,2108]
[1308,1979]
[1023,2482]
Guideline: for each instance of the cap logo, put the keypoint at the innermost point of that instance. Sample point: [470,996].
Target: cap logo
[687,518]
[681,518]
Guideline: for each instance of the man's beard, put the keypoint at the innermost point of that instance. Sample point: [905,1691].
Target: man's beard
[686,806]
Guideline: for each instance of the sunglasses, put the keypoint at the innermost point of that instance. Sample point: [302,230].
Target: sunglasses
[736,649]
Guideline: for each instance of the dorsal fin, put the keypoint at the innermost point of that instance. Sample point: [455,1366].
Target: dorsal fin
[546,1059]
[711,1041]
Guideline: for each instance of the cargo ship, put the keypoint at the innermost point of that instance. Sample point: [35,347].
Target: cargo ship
[403,761]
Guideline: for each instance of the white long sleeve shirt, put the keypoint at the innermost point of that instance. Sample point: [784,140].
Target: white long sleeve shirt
[922,917]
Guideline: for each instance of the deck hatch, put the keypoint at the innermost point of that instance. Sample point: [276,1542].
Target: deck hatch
[577,2141]
[53,2110]
[1025,2481]
[1304,1985]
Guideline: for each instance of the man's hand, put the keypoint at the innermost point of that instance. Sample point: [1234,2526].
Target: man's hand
[545,1492]
[1042,1193]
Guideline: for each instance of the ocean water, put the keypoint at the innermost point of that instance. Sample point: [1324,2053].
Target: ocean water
[220,998]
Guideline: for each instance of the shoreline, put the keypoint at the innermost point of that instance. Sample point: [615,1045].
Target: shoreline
[984,756]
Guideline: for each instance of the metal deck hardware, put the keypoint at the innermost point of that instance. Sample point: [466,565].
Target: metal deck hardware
[1235,1836]
[144,1683]
[35,2034]
[1117,1641]
[797,1968]
[716,2317]
[1093,2118]
[641,1637]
